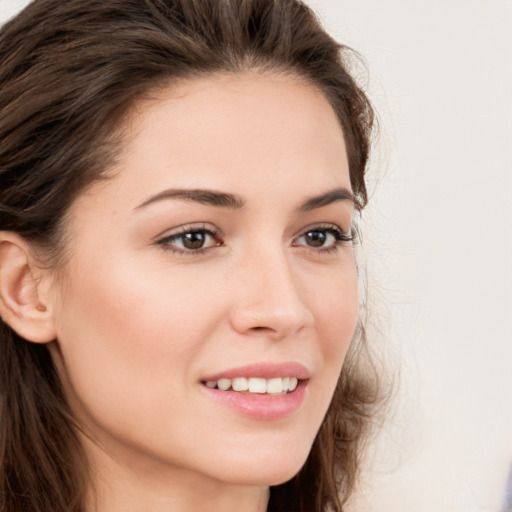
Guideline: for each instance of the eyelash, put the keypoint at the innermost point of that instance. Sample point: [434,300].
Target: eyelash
[339,235]
[166,242]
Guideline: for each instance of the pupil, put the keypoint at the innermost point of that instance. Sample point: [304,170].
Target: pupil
[316,238]
[193,240]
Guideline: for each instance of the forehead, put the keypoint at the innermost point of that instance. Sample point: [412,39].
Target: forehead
[245,131]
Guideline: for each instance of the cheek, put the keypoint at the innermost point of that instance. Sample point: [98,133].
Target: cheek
[336,310]
[132,307]
[336,314]
[129,340]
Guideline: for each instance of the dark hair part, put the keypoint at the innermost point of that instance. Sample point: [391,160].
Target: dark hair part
[70,71]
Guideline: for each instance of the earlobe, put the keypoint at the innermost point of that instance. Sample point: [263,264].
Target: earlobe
[21,304]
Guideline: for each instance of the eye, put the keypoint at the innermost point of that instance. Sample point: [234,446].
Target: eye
[323,238]
[190,240]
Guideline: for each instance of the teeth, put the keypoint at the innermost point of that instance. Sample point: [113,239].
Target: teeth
[275,385]
[224,384]
[240,384]
[258,385]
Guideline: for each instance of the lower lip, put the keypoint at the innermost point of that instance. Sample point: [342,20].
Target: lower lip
[261,407]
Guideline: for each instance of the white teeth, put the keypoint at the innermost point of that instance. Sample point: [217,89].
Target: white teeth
[240,384]
[258,385]
[275,385]
[224,384]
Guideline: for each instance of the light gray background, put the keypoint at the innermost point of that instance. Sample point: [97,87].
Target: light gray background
[438,234]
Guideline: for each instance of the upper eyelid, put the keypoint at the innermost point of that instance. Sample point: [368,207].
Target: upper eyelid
[187,228]
[323,226]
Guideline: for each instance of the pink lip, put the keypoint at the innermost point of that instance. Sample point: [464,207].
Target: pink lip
[263,371]
[262,407]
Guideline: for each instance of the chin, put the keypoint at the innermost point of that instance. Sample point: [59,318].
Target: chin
[275,469]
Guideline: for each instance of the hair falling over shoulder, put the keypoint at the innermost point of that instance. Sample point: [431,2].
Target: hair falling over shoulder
[69,73]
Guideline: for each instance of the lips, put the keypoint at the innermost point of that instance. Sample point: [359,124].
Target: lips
[263,371]
[261,391]
[276,385]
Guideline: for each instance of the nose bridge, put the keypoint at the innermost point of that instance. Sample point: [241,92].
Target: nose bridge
[267,297]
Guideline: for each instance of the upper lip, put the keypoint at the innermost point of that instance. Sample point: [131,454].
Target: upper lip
[263,371]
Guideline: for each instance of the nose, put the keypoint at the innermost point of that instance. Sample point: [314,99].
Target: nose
[267,299]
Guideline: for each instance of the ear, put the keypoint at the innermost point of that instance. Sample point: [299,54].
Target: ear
[22,305]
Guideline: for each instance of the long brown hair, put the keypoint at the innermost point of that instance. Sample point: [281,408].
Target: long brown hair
[69,73]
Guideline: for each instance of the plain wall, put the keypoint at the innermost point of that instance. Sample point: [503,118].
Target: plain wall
[438,234]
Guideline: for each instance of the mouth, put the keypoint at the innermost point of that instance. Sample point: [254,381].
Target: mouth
[262,391]
[255,385]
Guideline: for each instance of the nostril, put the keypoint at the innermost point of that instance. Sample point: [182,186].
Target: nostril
[263,329]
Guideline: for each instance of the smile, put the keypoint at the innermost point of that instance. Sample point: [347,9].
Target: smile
[274,386]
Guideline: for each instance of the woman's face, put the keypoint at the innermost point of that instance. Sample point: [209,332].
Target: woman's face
[214,256]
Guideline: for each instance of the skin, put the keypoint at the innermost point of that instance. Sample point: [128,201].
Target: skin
[138,325]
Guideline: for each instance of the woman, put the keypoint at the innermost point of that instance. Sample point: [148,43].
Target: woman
[178,288]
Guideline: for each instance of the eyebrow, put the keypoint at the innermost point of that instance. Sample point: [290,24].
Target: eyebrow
[208,197]
[332,196]
[234,202]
